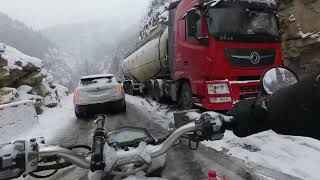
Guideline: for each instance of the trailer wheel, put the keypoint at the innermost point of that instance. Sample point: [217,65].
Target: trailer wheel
[185,99]
[157,92]
[130,89]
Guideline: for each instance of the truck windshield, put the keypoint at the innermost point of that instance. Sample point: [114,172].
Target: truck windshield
[236,24]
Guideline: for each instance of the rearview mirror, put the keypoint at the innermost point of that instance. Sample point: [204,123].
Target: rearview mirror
[277,78]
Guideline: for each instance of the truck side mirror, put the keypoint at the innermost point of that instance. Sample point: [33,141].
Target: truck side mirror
[192,18]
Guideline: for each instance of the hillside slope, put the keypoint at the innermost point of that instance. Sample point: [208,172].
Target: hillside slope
[300,27]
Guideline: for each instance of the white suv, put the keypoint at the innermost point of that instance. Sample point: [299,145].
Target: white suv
[98,94]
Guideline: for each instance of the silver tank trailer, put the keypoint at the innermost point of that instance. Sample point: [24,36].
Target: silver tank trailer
[146,62]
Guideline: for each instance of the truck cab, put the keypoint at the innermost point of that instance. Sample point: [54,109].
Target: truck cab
[221,48]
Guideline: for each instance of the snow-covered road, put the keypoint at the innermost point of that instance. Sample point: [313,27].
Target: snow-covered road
[262,156]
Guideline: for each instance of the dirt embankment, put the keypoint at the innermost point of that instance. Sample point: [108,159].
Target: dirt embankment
[300,30]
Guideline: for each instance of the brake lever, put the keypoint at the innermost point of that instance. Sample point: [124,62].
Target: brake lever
[210,126]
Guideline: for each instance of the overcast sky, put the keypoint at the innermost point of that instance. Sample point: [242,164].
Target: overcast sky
[45,13]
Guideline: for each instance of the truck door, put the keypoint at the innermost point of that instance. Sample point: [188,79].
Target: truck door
[195,48]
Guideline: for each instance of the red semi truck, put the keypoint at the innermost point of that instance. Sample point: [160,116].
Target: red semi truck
[208,53]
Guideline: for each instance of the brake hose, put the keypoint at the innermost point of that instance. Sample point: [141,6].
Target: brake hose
[53,167]
[79,147]
[56,167]
[42,177]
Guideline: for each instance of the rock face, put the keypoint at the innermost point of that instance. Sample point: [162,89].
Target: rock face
[23,78]
[300,30]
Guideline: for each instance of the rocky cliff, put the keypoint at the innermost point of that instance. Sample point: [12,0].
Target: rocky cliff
[300,29]
[23,78]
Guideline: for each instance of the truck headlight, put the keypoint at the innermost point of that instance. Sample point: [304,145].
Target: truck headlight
[222,88]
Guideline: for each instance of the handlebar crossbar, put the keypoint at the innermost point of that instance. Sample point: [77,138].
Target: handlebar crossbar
[69,155]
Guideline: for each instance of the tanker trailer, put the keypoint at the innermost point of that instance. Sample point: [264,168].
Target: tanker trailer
[146,63]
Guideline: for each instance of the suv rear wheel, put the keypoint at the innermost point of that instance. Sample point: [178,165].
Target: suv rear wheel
[79,115]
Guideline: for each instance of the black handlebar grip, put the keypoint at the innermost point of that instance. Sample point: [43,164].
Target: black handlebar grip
[99,140]
[100,121]
[97,162]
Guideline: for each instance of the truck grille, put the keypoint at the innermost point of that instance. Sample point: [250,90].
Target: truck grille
[250,57]
[247,89]
[249,92]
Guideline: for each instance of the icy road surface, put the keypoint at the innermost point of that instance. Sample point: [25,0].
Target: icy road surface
[263,156]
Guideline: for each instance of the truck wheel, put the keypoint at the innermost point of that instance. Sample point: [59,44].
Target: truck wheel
[149,88]
[130,89]
[157,94]
[185,100]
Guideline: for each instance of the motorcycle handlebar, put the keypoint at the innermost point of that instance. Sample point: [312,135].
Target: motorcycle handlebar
[81,161]
[207,126]
[67,154]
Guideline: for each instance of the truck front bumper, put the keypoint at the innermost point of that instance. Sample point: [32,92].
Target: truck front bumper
[239,90]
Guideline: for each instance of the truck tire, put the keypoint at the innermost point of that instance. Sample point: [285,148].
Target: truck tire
[157,92]
[185,99]
[149,88]
[130,89]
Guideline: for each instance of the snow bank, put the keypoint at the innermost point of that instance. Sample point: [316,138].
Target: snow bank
[16,118]
[160,113]
[298,156]
[52,121]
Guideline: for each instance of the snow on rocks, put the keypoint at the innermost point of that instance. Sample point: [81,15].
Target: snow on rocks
[17,68]
[16,58]
[53,91]
[8,95]
[23,78]
[157,13]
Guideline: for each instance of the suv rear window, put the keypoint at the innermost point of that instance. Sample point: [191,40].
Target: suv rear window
[97,81]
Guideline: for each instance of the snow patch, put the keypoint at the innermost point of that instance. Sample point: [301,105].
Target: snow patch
[160,113]
[25,88]
[52,121]
[298,156]
[193,115]
[16,118]
[269,2]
